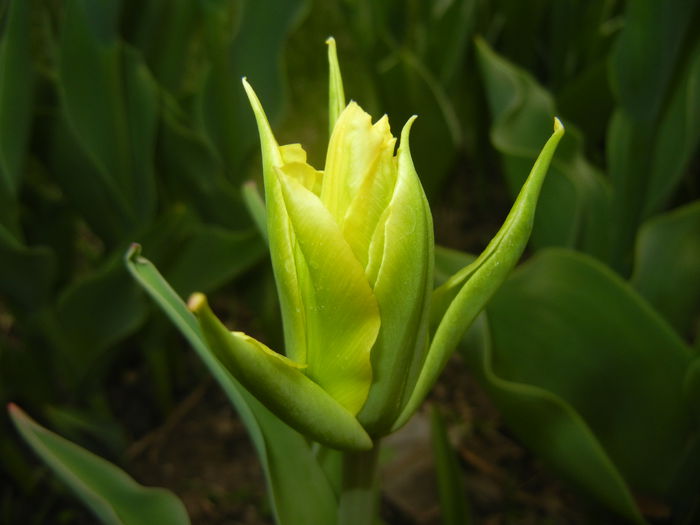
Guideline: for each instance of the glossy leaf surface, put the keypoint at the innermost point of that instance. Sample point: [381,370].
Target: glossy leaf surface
[113,496]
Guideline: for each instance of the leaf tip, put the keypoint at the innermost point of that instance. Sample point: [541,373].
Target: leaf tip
[330,41]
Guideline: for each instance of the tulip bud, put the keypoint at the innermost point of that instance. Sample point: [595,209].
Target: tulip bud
[352,253]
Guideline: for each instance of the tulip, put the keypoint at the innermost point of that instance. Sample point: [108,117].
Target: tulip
[352,253]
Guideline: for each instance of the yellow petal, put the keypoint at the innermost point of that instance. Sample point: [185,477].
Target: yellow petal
[353,151]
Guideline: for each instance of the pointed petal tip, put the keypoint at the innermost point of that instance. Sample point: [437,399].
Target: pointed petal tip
[197,302]
[558,126]
[330,40]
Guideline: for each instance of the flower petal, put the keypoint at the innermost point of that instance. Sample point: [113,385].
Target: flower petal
[280,385]
[341,312]
[354,149]
[402,253]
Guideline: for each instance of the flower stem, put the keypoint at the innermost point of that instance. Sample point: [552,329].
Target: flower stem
[358,497]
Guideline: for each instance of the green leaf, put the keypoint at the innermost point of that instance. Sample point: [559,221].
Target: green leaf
[287,460]
[576,356]
[454,506]
[97,311]
[110,103]
[666,267]
[652,135]
[16,94]
[184,153]
[255,51]
[574,207]
[459,300]
[212,257]
[113,496]
[26,273]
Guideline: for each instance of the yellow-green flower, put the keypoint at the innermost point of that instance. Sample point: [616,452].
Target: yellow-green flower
[352,253]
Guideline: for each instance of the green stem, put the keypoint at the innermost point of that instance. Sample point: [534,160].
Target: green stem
[358,496]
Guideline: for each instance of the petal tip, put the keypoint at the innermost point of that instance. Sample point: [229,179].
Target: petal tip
[558,126]
[197,302]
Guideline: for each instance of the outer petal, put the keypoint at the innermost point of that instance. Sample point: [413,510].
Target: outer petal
[459,300]
[280,236]
[403,246]
[280,385]
[341,312]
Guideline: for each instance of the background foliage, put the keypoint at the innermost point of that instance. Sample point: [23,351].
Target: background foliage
[124,121]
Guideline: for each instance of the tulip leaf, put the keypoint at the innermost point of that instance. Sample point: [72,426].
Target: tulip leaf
[113,303]
[286,457]
[454,507]
[16,91]
[212,256]
[113,496]
[672,242]
[27,273]
[653,134]
[567,326]
[110,105]
[552,428]
[459,300]
[253,50]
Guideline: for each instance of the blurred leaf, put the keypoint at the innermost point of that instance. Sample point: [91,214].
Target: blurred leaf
[667,268]
[573,210]
[654,72]
[286,457]
[163,30]
[578,362]
[194,170]
[26,273]
[16,93]
[98,311]
[408,87]
[87,426]
[113,496]
[212,257]
[110,104]
[255,52]
[454,506]
[449,28]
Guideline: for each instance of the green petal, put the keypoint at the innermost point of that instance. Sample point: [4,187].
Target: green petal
[457,302]
[403,292]
[280,385]
[341,312]
[280,236]
[336,93]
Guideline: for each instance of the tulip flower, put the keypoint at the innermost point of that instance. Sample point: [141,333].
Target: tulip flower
[352,253]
